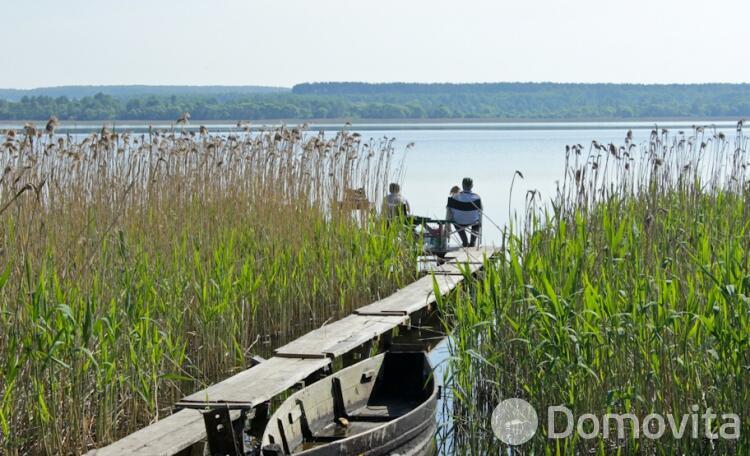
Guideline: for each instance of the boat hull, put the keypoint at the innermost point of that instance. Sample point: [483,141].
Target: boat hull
[383,405]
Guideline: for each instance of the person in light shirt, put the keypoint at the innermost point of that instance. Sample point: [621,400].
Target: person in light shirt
[394,203]
[464,209]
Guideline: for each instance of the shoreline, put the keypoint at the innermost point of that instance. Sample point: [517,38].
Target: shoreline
[391,124]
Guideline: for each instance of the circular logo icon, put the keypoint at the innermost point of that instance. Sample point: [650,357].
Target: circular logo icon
[514,421]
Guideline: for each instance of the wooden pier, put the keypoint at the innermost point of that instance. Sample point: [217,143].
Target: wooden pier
[300,361]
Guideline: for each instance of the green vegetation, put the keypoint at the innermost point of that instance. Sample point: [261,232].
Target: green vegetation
[126,92]
[137,269]
[632,294]
[390,101]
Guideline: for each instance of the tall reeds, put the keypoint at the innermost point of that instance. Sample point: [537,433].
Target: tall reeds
[629,293]
[135,269]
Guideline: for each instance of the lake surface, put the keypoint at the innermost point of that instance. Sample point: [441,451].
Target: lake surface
[441,157]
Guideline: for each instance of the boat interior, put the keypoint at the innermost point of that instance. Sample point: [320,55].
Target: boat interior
[354,401]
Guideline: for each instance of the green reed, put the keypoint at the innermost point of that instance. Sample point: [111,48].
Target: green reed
[630,292]
[135,269]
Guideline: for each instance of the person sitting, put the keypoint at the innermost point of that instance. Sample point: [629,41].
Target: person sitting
[465,211]
[394,204]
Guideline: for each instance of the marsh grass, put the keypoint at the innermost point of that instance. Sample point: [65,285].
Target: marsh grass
[137,269]
[630,292]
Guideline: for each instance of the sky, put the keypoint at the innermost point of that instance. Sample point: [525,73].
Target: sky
[283,42]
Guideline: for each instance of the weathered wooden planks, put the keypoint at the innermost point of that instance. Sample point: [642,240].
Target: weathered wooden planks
[256,385]
[458,267]
[421,293]
[471,255]
[340,337]
[166,437]
[412,297]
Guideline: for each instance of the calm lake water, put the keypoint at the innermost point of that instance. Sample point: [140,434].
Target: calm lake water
[442,156]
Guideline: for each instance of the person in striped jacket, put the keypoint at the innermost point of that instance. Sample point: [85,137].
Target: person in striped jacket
[464,209]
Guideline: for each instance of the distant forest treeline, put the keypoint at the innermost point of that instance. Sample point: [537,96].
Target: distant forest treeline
[390,101]
[133,91]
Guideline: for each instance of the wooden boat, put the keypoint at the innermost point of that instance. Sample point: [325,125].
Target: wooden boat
[382,405]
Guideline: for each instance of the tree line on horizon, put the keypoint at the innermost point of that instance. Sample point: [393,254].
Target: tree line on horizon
[403,101]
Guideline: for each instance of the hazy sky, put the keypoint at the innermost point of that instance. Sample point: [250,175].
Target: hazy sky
[281,42]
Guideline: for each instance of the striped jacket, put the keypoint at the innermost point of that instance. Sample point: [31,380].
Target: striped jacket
[464,208]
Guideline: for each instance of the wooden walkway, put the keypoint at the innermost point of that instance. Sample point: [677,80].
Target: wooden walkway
[297,361]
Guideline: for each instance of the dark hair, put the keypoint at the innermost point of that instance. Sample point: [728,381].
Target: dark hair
[394,188]
[467,183]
